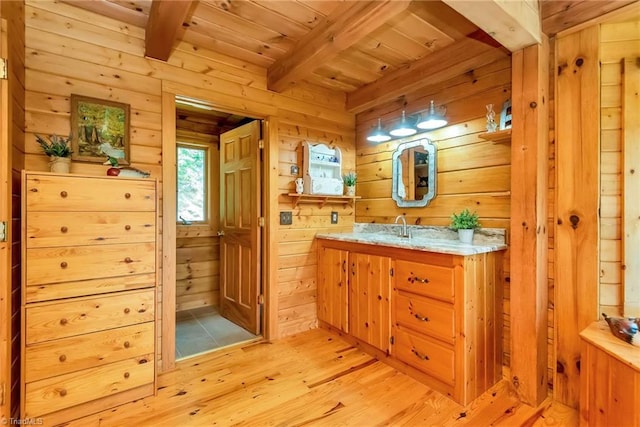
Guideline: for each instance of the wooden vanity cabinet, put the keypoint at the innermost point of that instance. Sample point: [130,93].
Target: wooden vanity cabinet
[436,317]
[88,294]
[333,292]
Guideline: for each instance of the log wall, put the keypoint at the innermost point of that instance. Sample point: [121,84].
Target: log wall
[472,173]
[69,50]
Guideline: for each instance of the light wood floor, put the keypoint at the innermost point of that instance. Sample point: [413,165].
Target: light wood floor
[314,378]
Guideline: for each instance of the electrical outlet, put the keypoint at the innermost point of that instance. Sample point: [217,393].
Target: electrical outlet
[295,170]
[334,217]
[286,218]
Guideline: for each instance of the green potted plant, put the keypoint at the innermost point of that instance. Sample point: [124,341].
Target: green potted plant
[350,182]
[58,150]
[465,223]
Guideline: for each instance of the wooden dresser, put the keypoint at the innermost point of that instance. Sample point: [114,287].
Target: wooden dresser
[88,296]
[436,317]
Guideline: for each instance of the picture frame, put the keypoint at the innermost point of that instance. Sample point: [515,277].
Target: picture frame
[505,115]
[100,129]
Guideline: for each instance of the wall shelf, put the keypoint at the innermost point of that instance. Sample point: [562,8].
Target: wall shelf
[321,199]
[503,135]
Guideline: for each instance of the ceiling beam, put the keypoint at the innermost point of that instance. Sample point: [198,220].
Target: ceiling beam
[514,24]
[346,26]
[457,59]
[165,19]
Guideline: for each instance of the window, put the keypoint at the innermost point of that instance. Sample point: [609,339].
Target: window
[193,179]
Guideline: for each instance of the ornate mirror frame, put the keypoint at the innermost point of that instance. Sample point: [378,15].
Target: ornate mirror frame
[396,173]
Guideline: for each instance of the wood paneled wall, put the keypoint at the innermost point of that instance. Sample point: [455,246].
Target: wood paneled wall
[69,50]
[617,41]
[472,173]
[13,12]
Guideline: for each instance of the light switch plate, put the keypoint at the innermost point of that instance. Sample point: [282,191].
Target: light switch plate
[295,170]
[286,218]
[334,217]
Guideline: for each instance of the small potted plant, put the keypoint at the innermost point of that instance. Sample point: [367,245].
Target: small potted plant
[58,150]
[465,223]
[350,182]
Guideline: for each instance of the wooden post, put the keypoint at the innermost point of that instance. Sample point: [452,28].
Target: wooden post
[529,245]
[577,203]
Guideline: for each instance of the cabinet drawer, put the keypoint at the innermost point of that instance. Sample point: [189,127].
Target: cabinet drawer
[426,315]
[424,279]
[64,391]
[75,317]
[68,193]
[46,229]
[73,354]
[55,265]
[427,355]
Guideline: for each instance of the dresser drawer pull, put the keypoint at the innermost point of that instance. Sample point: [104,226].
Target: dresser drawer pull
[62,358]
[344,266]
[64,264]
[128,260]
[64,229]
[127,227]
[418,355]
[126,375]
[63,194]
[63,392]
[127,195]
[63,321]
[418,279]
[126,344]
[421,318]
[127,310]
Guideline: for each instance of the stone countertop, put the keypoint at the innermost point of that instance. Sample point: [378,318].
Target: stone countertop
[419,243]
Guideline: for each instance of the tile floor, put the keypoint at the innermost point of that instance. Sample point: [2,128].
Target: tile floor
[204,329]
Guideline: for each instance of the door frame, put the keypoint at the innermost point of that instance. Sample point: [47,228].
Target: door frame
[269,175]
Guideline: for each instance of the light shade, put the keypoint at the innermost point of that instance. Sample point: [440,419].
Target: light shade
[403,128]
[432,120]
[378,135]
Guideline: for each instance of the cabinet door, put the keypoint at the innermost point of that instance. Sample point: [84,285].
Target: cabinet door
[333,287]
[369,306]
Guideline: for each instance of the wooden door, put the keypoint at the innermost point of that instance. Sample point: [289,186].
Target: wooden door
[240,193]
[333,289]
[5,244]
[369,306]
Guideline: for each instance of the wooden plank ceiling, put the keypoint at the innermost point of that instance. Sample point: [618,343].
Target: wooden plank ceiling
[362,48]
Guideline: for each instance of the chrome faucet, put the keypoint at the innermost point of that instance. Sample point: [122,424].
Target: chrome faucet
[404,231]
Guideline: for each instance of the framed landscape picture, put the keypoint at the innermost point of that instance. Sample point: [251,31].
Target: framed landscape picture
[100,130]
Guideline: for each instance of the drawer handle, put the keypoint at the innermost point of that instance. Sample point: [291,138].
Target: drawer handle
[127,310]
[126,344]
[344,266]
[127,195]
[63,194]
[418,355]
[419,279]
[126,375]
[64,264]
[62,358]
[422,318]
[63,321]
[127,227]
[128,260]
[63,392]
[64,229]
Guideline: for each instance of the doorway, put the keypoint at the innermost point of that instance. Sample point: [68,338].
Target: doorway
[218,204]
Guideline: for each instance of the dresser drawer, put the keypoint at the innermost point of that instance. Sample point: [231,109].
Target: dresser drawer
[428,355]
[424,279]
[75,317]
[426,316]
[69,193]
[55,265]
[63,391]
[47,229]
[73,354]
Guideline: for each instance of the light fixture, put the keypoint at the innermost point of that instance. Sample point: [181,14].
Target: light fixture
[378,135]
[403,128]
[432,120]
